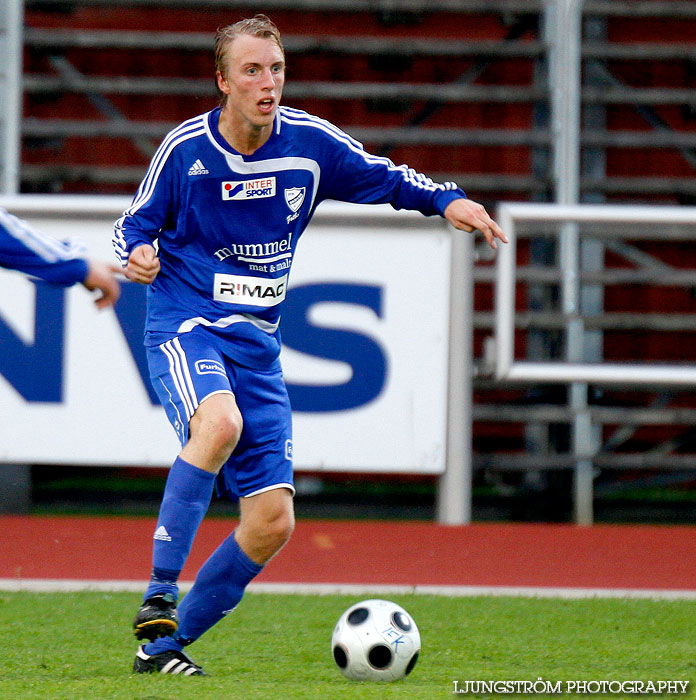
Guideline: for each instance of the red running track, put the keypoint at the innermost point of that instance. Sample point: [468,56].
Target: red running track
[358,552]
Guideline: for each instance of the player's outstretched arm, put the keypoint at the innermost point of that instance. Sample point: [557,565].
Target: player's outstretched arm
[101,276]
[467,215]
[143,264]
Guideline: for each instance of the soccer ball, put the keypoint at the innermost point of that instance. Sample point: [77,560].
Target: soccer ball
[375,640]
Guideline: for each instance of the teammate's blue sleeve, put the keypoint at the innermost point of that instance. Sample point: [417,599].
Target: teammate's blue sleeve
[360,177]
[24,249]
[152,208]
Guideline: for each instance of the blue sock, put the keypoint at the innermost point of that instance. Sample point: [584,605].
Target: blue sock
[219,587]
[162,644]
[186,499]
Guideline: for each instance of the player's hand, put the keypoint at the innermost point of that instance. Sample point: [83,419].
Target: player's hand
[143,264]
[102,277]
[467,215]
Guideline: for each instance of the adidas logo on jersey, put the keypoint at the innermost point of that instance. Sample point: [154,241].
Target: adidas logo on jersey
[162,534]
[198,169]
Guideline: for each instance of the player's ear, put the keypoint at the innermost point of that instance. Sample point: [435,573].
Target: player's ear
[222,83]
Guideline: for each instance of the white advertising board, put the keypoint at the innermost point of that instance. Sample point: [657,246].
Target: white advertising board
[365,333]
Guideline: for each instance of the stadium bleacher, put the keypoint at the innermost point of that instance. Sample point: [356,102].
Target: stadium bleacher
[455,89]
[448,91]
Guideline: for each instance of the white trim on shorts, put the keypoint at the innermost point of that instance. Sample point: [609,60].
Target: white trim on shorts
[217,391]
[283,485]
[181,377]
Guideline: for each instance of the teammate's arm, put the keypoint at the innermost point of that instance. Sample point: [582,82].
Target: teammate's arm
[63,263]
[100,276]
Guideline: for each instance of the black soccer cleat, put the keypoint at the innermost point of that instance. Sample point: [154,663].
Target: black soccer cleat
[157,617]
[173,662]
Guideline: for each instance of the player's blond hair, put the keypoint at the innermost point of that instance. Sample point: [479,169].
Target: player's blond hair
[259,26]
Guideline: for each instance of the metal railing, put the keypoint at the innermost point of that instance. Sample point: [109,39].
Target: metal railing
[510,369]
[587,454]
[10,94]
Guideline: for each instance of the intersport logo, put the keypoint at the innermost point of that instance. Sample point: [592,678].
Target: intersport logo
[252,291]
[249,189]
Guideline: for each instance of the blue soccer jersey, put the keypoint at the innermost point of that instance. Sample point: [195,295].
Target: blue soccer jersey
[227,225]
[24,249]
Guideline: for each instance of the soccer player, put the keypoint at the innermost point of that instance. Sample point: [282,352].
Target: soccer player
[213,230]
[63,263]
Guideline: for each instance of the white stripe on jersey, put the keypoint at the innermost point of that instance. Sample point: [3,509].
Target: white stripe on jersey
[188,130]
[47,248]
[237,164]
[409,174]
[227,321]
[300,115]
[119,243]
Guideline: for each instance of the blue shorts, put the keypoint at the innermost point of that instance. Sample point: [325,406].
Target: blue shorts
[191,367]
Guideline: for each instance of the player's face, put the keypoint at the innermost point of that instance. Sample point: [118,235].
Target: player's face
[253,80]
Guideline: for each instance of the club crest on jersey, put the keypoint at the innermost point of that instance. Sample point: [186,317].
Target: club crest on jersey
[294,197]
[249,189]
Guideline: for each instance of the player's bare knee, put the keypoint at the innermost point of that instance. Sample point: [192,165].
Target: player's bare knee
[229,426]
[281,528]
[220,431]
[270,532]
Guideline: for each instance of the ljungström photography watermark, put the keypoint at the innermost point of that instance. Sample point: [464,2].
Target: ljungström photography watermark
[542,686]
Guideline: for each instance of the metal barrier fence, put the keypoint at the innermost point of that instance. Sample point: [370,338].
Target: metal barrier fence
[567,227]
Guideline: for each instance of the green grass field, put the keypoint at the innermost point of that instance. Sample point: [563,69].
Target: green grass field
[78,646]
